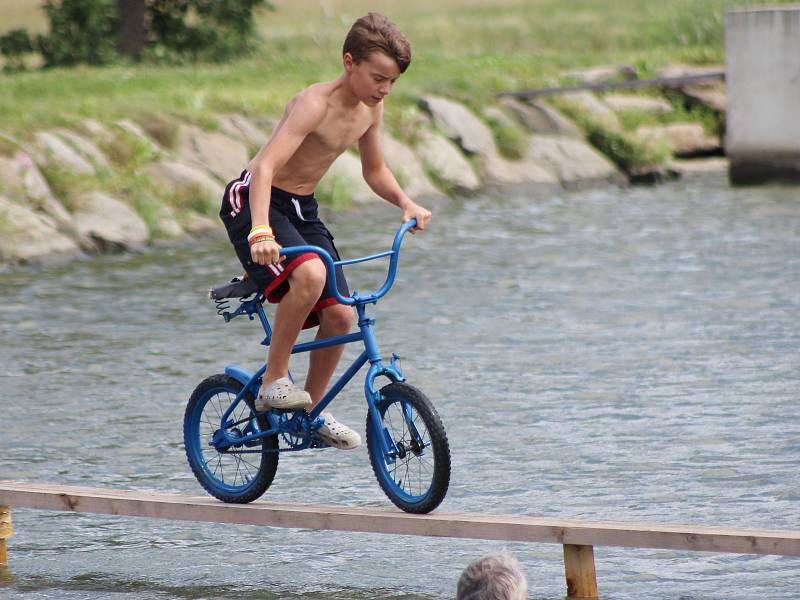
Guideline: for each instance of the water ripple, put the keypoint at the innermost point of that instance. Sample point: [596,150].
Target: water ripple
[622,354]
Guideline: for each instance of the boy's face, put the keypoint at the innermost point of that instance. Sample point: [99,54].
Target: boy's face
[373,78]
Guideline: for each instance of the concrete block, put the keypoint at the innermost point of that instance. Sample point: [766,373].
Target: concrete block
[763,79]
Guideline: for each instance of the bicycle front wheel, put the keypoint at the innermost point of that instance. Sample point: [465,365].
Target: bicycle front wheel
[239,473]
[415,473]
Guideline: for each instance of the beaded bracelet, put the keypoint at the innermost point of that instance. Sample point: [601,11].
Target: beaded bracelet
[259,239]
[259,230]
[259,234]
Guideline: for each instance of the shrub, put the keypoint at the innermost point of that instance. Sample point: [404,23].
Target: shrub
[14,46]
[81,31]
[192,30]
[86,32]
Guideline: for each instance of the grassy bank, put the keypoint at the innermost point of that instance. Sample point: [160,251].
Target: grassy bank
[467,49]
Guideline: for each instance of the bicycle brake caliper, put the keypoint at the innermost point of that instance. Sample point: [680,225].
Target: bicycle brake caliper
[395,364]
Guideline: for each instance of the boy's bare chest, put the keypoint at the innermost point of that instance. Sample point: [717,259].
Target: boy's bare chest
[339,131]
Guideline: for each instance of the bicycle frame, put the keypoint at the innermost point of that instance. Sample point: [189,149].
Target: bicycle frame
[371,353]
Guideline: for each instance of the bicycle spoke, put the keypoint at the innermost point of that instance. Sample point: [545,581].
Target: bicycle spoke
[236,472]
[218,468]
[227,473]
[408,430]
[247,468]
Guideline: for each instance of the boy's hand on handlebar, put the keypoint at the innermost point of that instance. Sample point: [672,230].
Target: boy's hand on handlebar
[415,211]
[266,253]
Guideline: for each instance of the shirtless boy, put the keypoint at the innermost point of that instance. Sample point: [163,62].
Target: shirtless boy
[272,205]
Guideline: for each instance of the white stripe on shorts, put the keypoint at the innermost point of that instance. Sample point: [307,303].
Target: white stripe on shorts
[235,196]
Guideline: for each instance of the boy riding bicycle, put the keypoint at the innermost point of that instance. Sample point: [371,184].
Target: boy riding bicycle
[272,205]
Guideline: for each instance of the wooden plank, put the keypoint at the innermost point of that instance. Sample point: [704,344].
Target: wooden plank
[580,572]
[615,85]
[6,531]
[161,505]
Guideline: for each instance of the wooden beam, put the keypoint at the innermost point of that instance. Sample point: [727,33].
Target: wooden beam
[160,505]
[6,531]
[579,571]
[615,85]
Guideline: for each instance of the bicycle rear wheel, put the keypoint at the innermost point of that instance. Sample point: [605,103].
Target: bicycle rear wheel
[416,474]
[230,475]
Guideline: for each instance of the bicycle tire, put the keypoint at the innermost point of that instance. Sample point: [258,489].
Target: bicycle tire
[247,478]
[399,405]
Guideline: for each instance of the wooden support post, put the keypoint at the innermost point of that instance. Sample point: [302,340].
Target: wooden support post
[579,571]
[6,532]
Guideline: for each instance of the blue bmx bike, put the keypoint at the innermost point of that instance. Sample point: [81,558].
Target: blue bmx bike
[233,449]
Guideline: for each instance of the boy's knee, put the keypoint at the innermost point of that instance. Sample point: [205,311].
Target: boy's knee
[309,277]
[338,319]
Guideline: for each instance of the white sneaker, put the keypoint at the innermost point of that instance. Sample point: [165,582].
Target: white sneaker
[282,394]
[337,435]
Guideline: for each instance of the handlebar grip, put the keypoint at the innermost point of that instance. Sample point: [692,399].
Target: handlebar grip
[410,224]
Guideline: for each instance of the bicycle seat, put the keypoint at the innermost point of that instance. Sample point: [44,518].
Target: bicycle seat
[235,288]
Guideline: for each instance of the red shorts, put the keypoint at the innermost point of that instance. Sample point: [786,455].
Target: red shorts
[295,222]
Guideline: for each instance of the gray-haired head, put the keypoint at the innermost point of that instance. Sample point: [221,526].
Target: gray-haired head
[493,577]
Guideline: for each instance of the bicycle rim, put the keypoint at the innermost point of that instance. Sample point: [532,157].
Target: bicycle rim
[416,478]
[233,475]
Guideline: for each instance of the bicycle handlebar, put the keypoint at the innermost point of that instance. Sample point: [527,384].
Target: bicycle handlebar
[330,266]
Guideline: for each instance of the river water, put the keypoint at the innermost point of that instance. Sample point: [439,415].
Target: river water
[610,354]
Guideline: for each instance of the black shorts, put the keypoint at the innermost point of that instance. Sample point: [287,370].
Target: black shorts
[295,222]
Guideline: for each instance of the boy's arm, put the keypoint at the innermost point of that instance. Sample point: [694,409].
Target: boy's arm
[301,118]
[380,178]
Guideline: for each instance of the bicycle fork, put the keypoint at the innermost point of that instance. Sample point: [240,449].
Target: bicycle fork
[377,369]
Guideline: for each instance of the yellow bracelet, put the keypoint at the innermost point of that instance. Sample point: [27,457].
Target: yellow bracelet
[259,230]
[259,239]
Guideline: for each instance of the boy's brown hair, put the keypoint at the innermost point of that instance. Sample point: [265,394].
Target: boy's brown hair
[376,33]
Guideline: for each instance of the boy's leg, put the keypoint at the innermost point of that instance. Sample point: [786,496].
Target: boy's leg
[305,284]
[333,320]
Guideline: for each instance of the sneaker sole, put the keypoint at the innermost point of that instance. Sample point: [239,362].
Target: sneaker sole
[296,406]
[337,443]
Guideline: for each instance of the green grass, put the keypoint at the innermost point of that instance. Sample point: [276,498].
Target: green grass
[149,208]
[66,185]
[712,121]
[511,141]
[467,49]
[162,127]
[622,147]
[128,153]
[8,146]
[334,192]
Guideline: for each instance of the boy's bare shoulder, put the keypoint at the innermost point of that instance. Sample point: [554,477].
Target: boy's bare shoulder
[314,97]
[310,104]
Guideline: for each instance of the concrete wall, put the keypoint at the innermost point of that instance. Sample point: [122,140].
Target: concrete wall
[763,81]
